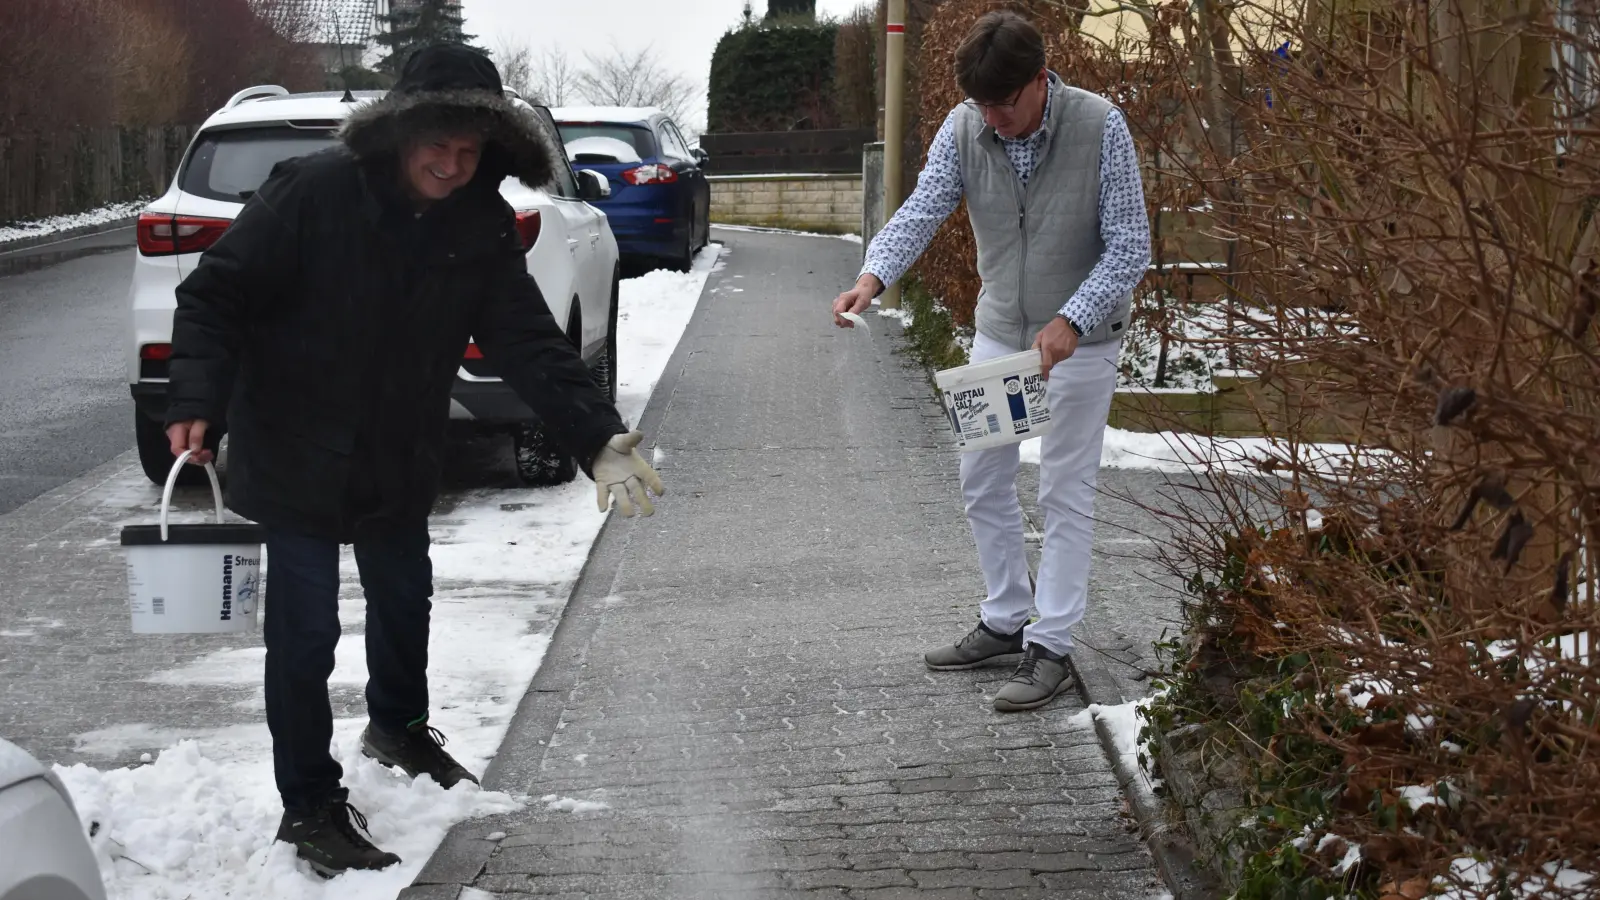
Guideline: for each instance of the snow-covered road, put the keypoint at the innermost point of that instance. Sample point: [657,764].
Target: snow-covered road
[197,819]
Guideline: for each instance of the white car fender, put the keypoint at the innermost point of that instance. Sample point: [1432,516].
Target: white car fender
[550,262]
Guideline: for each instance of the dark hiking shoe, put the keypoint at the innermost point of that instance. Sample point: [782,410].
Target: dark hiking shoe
[416,751]
[328,838]
[980,647]
[1040,677]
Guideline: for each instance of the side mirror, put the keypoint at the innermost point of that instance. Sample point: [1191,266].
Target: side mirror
[701,157]
[592,185]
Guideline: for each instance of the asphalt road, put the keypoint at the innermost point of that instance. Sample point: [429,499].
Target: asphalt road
[64,405]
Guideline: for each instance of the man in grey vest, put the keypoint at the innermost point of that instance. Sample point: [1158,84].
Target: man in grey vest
[1052,186]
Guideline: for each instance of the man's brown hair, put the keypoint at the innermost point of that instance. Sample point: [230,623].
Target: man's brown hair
[998,57]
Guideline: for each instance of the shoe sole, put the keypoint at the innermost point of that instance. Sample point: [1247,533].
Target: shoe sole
[370,753]
[1008,706]
[326,873]
[1003,658]
[329,873]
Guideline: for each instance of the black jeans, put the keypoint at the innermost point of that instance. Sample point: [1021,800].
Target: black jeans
[302,631]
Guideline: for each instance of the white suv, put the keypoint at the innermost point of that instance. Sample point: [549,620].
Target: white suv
[572,254]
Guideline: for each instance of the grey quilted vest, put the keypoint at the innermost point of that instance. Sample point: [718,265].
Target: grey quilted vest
[1037,244]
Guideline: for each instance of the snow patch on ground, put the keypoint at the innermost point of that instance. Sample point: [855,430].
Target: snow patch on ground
[57,224]
[199,821]
[1171,451]
[902,314]
[1473,878]
[756,229]
[1416,796]
[568,804]
[1352,852]
[654,310]
[1124,722]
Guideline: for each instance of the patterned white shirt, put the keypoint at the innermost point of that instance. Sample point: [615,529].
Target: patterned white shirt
[1124,226]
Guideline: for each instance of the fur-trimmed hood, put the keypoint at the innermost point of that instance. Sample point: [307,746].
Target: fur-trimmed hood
[453,89]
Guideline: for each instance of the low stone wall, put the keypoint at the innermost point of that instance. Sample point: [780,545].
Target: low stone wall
[825,203]
[1239,406]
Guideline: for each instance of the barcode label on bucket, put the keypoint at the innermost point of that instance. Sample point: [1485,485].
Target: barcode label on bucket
[158,606]
[997,401]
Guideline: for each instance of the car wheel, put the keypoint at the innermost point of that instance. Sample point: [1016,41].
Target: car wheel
[684,261]
[540,461]
[604,369]
[155,452]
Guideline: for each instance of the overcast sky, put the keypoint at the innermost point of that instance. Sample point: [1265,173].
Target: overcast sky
[683,32]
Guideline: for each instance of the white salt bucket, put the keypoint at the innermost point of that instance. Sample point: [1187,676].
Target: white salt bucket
[193,579]
[996,402]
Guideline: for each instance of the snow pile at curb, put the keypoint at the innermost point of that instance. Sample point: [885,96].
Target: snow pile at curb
[1124,723]
[198,822]
[757,229]
[58,224]
[1171,451]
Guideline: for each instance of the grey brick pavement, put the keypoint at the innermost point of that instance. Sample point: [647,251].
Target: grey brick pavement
[738,680]
[1133,602]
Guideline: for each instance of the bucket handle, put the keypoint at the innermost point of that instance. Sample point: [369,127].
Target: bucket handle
[172,482]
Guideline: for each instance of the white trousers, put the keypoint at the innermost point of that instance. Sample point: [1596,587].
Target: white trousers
[1079,391]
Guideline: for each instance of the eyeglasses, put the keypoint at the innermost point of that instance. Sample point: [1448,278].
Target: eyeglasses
[1005,107]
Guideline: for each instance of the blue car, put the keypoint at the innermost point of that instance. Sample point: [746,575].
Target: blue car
[660,203]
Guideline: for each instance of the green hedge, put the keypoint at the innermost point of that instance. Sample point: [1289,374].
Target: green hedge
[773,79]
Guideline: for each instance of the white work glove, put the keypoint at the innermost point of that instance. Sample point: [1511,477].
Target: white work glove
[620,472]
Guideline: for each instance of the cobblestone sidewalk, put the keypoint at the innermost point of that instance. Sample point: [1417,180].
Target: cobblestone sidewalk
[735,704]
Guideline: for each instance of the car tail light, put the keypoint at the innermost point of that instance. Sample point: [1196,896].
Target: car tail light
[528,228]
[163,235]
[157,352]
[653,173]
[473,352]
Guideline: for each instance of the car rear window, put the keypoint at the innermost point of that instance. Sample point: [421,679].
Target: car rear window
[642,141]
[232,164]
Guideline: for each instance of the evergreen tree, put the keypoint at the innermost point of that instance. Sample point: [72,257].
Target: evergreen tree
[414,24]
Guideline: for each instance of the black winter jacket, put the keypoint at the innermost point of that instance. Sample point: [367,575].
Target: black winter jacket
[326,326]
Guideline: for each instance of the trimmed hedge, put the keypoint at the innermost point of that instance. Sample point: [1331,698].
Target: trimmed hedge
[773,79]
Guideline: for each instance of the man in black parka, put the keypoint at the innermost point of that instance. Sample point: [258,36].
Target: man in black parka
[325,328]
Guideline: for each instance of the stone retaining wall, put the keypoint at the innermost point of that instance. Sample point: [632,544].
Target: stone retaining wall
[826,203]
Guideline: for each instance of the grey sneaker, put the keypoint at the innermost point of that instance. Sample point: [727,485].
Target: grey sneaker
[1040,677]
[980,647]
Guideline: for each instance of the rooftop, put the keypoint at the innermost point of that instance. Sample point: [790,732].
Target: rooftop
[323,21]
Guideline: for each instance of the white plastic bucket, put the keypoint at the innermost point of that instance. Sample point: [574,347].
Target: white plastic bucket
[996,402]
[193,579]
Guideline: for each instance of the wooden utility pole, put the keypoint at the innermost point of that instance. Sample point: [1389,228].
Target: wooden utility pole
[894,121]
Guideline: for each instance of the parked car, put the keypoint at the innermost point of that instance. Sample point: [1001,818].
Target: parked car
[44,853]
[660,203]
[572,254]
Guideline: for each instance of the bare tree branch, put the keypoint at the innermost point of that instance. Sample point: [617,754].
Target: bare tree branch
[555,77]
[514,59]
[637,78]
